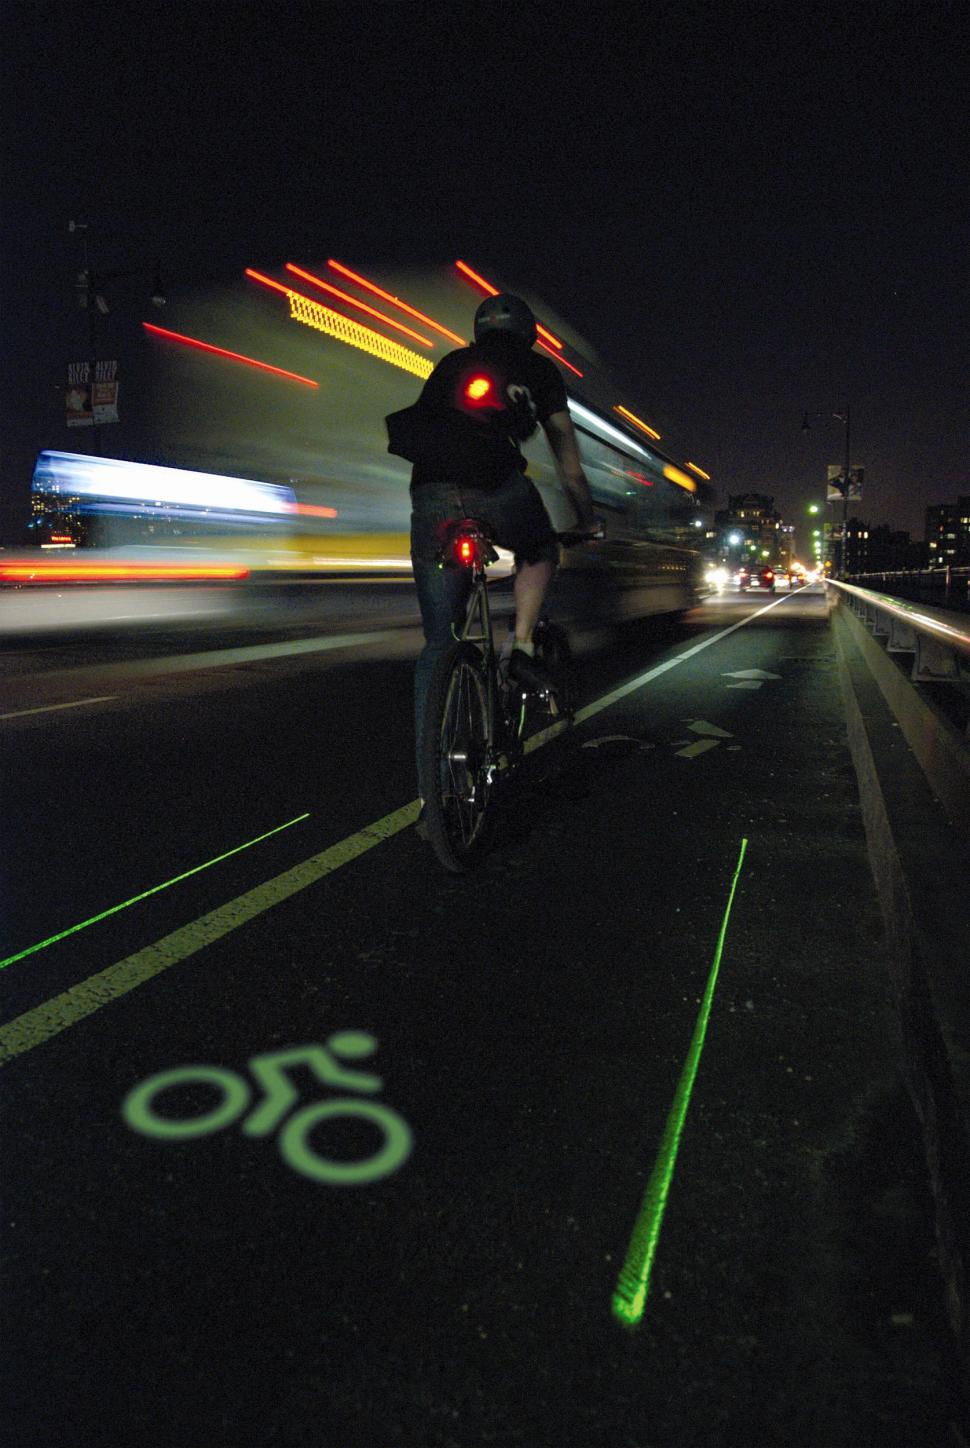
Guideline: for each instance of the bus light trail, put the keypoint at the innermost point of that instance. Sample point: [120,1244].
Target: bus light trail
[222,352]
[396,301]
[42,571]
[353,302]
[637,421]
[344,329]
[630,1296]
[491,291]
[104,914]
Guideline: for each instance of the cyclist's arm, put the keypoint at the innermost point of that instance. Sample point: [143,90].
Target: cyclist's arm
[559,429]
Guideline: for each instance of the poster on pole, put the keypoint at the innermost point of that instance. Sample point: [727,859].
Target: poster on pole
[836,488]
[89,401]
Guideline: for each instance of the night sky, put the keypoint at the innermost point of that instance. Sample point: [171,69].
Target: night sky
[749,211]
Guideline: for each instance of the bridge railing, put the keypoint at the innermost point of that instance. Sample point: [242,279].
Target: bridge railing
[947,586]
[937,638]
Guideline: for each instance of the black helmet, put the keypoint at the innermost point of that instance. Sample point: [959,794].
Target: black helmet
[505,313]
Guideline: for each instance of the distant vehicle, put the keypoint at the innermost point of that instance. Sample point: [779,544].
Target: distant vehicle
[762,578]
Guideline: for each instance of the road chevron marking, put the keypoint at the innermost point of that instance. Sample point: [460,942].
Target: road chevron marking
[57,1014]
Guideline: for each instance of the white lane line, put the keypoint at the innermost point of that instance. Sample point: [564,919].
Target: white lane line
[250,653]
[56,1015]
[49,708]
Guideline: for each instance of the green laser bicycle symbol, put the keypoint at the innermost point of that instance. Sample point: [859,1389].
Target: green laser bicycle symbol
[138,1108]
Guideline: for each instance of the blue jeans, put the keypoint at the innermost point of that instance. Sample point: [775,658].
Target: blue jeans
[516,519]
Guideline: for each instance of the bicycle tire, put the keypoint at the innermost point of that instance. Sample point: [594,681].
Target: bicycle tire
[455,762]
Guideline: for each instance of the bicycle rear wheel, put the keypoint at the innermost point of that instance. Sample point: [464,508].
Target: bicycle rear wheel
[456,763]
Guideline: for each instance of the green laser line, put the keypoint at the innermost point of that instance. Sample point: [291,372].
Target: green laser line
[630,1296]
[73,929]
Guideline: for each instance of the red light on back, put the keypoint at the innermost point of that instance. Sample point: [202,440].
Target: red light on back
[478,388]
[466,550]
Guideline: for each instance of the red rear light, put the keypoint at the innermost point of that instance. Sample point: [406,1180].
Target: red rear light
[478,390]
[768,573]
[466,550]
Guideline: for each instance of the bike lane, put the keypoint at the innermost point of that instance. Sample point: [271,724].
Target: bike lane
[532,1025]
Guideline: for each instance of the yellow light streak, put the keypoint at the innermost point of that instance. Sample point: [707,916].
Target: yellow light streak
[699,471]
[637,421]
[681,479]
[343,329]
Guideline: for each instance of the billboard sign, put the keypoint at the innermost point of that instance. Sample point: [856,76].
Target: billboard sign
[87,402]
[836,488]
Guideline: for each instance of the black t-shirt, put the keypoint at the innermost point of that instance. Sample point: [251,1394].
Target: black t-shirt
[489,397]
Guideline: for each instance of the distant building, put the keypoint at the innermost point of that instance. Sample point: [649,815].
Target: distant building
[891,552]
[856,547]
[948,532]
[753,519]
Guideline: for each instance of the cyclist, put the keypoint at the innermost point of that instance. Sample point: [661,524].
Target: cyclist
[478,405]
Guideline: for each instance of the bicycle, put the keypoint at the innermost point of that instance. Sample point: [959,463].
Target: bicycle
[294,1141]
[477,721]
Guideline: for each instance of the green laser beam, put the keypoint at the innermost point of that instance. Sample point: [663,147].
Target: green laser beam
[73,929]
[630,1295]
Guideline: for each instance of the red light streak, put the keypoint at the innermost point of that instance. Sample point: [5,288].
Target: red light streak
[486,287]
[561,359]
[411,311]
[268,281]
[43,572]
[222,352]
[314,510]
[493,292]
[353,302]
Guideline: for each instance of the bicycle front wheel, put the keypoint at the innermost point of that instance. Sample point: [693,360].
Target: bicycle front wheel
[456,758]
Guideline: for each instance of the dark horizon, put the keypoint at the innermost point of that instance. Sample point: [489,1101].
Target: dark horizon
[749,215]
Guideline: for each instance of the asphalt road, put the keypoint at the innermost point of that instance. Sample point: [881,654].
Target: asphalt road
[433,1261]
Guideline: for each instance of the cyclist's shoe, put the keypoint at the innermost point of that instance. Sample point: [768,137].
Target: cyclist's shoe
[526,670]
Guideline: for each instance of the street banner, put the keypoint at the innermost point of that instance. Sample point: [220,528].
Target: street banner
[90,402]
[835,488]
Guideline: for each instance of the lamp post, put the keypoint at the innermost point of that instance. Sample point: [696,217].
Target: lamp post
[91,299]
[844,482]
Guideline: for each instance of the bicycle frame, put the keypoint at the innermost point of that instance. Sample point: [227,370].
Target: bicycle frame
[479,611]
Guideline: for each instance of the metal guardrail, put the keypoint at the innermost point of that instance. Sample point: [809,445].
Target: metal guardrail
[949,586]
[938,639]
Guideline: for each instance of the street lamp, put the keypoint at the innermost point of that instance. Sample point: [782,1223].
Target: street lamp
[842,483]
[91,298]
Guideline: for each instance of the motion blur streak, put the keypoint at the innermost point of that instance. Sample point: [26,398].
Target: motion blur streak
[343,329]
[353,302]
[681,479]
[222,352]
[411,311]
[637,421]
[491,291]
[590,419]
[44,572]
[355,334]
[700,472]
[102,480]
[560,359]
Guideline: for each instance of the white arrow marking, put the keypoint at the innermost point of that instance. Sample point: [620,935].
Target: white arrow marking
[703,726]
[700,746]
[748,674]
[615,739]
